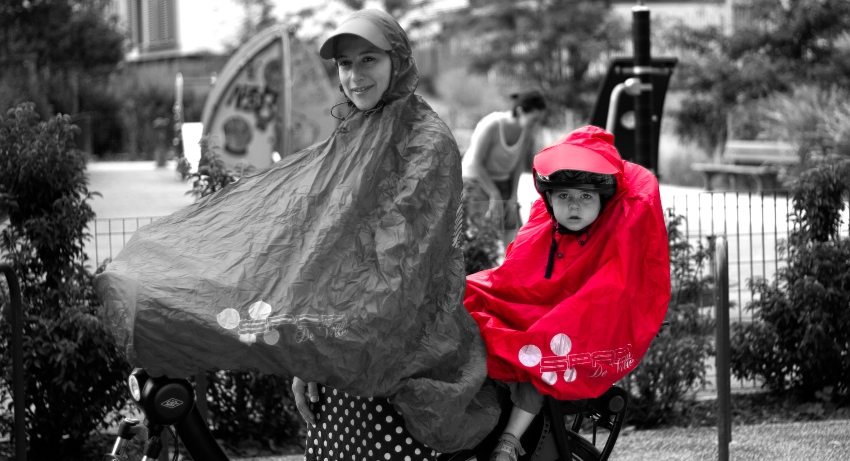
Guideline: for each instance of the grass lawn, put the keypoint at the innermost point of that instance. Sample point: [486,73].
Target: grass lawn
[821,440]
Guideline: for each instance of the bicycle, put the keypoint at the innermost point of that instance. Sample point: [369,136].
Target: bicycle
[168,402]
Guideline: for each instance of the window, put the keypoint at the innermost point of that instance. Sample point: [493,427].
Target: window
[153,24]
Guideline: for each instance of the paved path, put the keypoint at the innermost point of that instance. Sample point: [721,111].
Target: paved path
[134,189]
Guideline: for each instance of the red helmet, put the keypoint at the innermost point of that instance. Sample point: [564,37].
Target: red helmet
[585,159]
[586,156]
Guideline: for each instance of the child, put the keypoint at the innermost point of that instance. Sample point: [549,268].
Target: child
[583,288]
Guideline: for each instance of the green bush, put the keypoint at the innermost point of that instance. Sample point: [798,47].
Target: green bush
[815,120]
[798,339]
[247,406]
[675,362]
[212,174]
[74,373]
[480,246]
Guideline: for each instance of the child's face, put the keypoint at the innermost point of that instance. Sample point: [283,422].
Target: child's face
[364,70]
[573,208]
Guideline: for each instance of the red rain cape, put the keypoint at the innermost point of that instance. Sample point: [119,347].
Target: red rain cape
[582,330]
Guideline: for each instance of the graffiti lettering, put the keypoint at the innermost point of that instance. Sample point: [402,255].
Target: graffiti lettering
[259,100]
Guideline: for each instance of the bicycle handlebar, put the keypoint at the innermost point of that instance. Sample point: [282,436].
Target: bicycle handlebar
[166,402]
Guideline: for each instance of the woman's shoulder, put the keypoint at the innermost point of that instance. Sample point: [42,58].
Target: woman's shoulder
[489,126]
[493,119]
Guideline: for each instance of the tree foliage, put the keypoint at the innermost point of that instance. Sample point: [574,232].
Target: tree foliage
[251,406]
[54,49]
[315,22]
[73,371]
[62,34]
[815,119]
[258,16]
[540,44]
[775,46]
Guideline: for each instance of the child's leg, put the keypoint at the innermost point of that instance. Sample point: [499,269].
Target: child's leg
[527,403]
[518,422]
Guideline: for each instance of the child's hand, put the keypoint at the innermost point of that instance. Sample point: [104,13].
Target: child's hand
[494,213]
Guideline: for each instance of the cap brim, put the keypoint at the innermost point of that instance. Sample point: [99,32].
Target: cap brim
[360,27]
[572,157]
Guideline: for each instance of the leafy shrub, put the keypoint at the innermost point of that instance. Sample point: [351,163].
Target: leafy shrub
[815,120]
[675,363]
[798,338]
[246,406]
[74,373]
[480,246]
[213,175]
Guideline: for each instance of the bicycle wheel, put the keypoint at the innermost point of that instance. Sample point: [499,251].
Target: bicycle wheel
[582,449]
[544,448]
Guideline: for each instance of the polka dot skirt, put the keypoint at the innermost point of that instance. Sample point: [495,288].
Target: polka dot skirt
[357,429]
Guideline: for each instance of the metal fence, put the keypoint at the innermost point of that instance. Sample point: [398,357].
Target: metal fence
[109,235]
[755,224]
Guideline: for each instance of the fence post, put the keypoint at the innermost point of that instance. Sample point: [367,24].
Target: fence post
[15,312]
[722,364]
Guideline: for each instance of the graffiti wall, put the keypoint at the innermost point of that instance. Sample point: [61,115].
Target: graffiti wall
[242,113]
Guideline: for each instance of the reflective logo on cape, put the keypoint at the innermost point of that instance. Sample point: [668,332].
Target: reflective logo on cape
[261,324]
[619,359]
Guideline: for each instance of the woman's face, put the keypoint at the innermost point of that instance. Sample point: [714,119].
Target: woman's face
[575,209]
[364,70]
[530,118]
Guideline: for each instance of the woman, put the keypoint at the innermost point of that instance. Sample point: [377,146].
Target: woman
[336,264]
[499,151]
[378,76]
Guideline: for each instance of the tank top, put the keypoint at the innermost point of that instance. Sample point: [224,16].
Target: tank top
[502,159]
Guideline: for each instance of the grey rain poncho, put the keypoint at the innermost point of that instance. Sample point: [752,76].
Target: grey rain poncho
[336,265]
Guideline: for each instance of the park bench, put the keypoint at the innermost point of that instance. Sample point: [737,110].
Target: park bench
[758,161]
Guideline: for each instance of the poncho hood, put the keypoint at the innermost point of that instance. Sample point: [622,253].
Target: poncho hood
[336,264]
[580,331]
[405,76]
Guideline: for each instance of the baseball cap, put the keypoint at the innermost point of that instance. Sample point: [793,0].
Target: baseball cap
[359,26]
